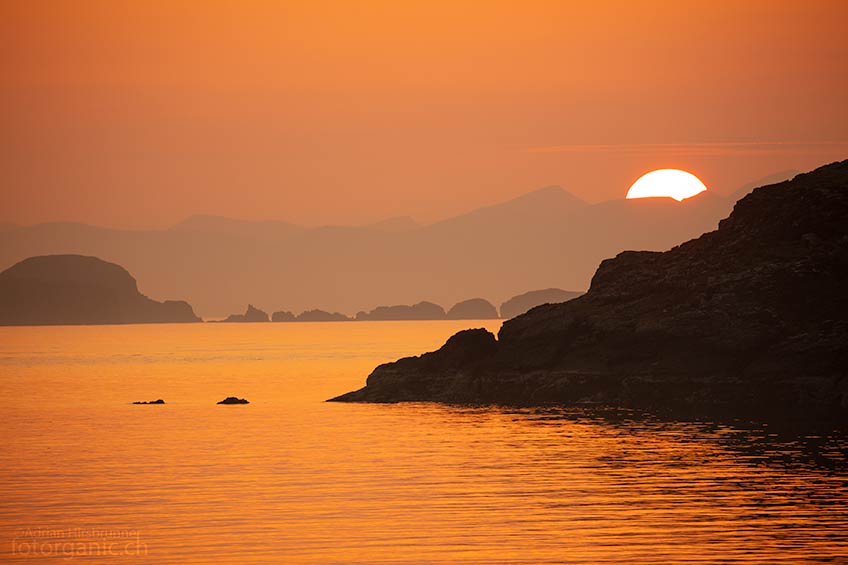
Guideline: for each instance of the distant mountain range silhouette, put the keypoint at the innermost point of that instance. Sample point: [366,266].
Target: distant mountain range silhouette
[773,178]
[546,238]
[74,289]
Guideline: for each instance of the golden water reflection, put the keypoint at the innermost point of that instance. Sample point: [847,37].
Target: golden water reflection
[291,479]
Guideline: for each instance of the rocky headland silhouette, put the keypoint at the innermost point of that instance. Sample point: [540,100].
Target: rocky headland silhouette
[76,289]
[749,319]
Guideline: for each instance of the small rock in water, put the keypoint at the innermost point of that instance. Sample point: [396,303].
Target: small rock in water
[234,400]
[159,401]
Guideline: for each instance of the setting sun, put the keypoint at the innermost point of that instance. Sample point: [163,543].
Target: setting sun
[672,183]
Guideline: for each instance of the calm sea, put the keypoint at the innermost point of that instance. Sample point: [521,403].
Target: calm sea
[87,476]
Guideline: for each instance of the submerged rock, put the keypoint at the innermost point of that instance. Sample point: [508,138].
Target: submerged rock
[160,401]
[234,400]
[749,319]
[422,311]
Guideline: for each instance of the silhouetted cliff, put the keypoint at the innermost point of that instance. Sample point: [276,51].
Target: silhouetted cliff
[74,289]
[751,318]
[520,304]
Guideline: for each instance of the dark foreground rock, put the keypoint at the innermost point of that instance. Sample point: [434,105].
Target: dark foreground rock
[751,319]
[75,289]
[234,400]
[159,401]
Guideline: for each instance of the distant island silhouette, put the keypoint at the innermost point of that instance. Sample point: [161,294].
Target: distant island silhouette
[749,319]
[520,304]
[493,252]
[283,316]
[252,314]
[420,311]
[322,316]
[472,309]
[75,289]
[123,304]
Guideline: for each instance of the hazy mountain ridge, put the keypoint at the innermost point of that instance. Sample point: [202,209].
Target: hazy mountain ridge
[496,251]
[202,223]
[395,224]
[773,178]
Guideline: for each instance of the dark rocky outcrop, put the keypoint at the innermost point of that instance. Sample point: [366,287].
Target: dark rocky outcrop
[234,400]
[472,309]
[75,289]
[321,316]
[518,305]
[282,316]
[749,319]
[252,314]
[422,311]
[160,401]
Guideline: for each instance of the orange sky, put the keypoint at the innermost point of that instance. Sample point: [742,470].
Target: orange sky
[138,114]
